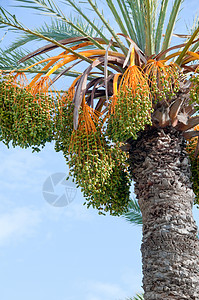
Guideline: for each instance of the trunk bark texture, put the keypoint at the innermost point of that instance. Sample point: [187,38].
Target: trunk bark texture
[170,248]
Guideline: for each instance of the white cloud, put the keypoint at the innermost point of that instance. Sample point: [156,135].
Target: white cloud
[127,286]
[18,224]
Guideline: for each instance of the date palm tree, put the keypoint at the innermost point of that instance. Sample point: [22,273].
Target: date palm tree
[131,113]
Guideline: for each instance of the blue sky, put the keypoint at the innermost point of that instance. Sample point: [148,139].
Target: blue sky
[59,253]
[64,253]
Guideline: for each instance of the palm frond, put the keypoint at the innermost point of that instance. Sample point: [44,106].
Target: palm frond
[159,29]
[133,215]
[194,27]
[139,22]
[107,25]
[8,20]
[57,30]
[49,8]
[129,24]
[117,16]
[187,46]
[148,22]
[95,28]
[144,20]
[137,297]
[171,24]
[11,60]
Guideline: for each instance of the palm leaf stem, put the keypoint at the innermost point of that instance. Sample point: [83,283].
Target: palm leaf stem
[113,33]
[90,22]
[53,9]
[171,24]
[195,47]
[161,20]
[187,46]
[148,29]
[20,27]
[139,22]
[127,19]
[116,16]
[133,215]
[33,71]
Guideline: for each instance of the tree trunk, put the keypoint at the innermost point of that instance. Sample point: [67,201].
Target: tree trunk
[170,248]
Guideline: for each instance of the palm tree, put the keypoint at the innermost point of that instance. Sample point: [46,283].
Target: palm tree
[131,114]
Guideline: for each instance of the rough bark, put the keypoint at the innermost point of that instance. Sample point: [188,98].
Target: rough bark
[170,249]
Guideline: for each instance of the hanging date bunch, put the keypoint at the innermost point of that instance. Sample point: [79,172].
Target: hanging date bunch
[130,107]
[115,193]
[95,166]
[25,114]
[194,91]
[7,95]
[163,79]
[64,121]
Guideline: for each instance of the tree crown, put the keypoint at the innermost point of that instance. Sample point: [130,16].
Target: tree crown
[133,80]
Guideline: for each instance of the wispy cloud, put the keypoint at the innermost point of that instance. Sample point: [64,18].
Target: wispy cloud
[128,284]
[17,224]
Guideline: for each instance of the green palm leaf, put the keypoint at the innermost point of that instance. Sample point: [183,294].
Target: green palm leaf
[117,16]
[143,21]
[57,30]
[133,215]
[139,22]
[49,8]
[191,31]
[148,22]
[10,21]
[187,46]
[171,24]
[129,24]
[95,28]
[107,25]
[161,20]
[137,297]
[10,60]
